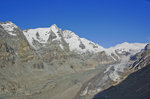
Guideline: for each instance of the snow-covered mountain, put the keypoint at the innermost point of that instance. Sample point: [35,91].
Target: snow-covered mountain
[9,27]
[77,44]
[41,34]
[125,49]
[43,54]
[80,45]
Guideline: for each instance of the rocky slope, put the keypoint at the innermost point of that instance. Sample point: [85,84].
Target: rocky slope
[136,85]
[113,73]
[33,61]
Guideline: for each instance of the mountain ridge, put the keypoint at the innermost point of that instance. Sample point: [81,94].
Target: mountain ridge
[42,36]
[136,84]
[30,59]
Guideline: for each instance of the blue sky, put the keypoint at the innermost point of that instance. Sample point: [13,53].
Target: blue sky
[106,22]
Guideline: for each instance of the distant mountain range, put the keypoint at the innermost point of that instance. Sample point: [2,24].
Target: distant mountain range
[32,60]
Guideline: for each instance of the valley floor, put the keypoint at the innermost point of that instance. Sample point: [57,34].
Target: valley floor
[62,87]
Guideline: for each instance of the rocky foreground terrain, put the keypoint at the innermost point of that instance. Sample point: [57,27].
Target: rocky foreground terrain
[50,63]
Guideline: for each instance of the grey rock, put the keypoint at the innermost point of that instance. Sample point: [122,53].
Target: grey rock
[147,47]
[82,46]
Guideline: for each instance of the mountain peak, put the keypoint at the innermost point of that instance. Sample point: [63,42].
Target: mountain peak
[9,27]
[54,28]
[8,23]
[54,25]
[122,48]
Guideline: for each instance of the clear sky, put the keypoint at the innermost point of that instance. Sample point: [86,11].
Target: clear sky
[106,22]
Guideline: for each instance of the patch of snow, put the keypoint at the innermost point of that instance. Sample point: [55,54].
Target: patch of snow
[90,46]
[107,69]
[132,48]
[128,47]
[41,34]
[114,57]
[74,42]
[85,91]
[114,76]
[54,28]
[10,33]
[99,89]
[9,27]
[61,46]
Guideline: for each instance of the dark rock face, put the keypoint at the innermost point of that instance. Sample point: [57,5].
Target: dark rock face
[38,66]
[94,46]
[135,86]
[147,47]
[52,36]
[7,55]
[82,46]
[140,59]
